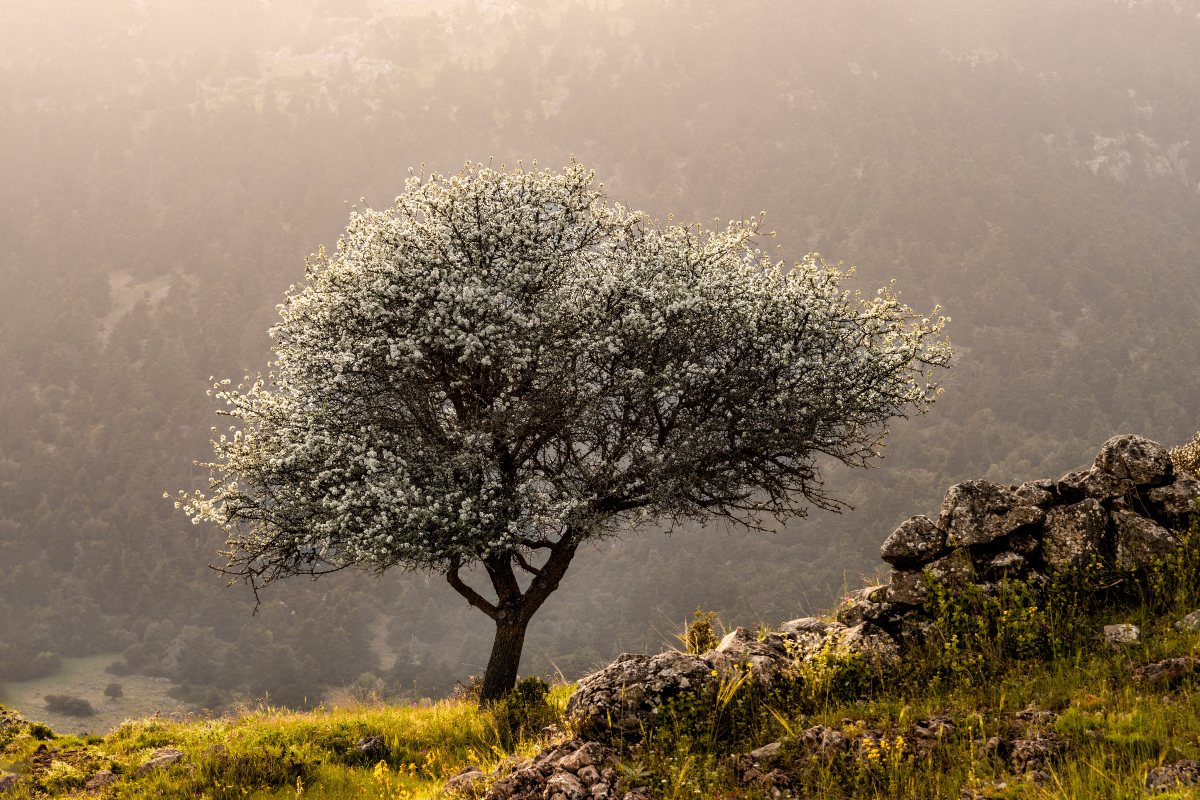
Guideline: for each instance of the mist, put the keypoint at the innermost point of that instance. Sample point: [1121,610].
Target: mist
[1028,166]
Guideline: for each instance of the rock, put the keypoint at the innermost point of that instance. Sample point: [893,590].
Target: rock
[807,635]
[1038,716]
[907,588]
[1170,777]
[978,512]
[1002,564]
[98,781]
[864,605]
[7,782]
[466,781]
[1038,493]
[371,747]
[1173,505]
[1122,634]
[954,571]
[869,641]
[1141,542]
[917,541]
[625,697]
[1094,483]
[567,785]
[1075,534]
[160,759]
[1191,622]
[1137,459]
[1168,672]
[766,752]
[588,775]
[767,657]
[588,755]
[1033,755]
[823,743]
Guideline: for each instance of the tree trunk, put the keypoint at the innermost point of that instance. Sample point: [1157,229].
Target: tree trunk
[501,674]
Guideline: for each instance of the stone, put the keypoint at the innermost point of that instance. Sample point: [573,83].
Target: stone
[1075,534]
[160,759]
[864,605]
[1170,777]
[1168,672]
[98,781]
[1032,755]
[371,747]
[466,781]
[1191,622]
[954,571]
[7,782]
[979,512]
[1094,483]
[588,755]
[766,752]
[1002,564]
[767,656]
[588,775]
[1137,459]
[567,785]
[1140,541]
[1174,504]
[1038,493]
[806,636]
[625,697]
[869,641]
[917,541]
[822,742]
[1124,633]
[907,588]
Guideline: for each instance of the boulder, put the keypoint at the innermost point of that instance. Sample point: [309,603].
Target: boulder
[1137,459]
[572,770]
[1140,541]
[1075,534]
[907,588]
[1004,563]
[160,759]
[625,697]
[7,782]
[1174,504]
[864,605]
[917,541]
[1123,633]
[1038,493]
[468,780]
[1190,622]
[98,781]
[954,571]
[1168,672]
[979,512]
[1172,777]
[767,657]
[806,635]
[1094,483]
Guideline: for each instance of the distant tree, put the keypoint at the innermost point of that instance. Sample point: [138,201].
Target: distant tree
[505,365]
[114,690]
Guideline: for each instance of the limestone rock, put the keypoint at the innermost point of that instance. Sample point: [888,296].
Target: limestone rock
[1124,633]
[1191,622]
[1171,777]
[1137,459]
[766,752]
[1141,542]
[917,541]
[7,782]
[978,512]
[864,605]
[954,571]
[627,695]
[1004,563]
[160,759]
[465,781]
[1174,504]
[572,770]
[1038,493]
[1032,755]
[98,781]
[1168,672]
[1094,483]
[806,635]
[1075,534]
[907,588]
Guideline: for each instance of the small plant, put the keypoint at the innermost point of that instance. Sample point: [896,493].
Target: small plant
[1186,456]
[698,636]
[525,712]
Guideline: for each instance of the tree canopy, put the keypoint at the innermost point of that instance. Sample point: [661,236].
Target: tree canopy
[505,364]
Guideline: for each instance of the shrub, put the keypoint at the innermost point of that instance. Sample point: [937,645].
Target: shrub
[69,705]
[524,712]
[1187,456]
[114,690]
[698,637]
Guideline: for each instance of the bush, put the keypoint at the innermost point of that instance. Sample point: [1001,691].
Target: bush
[114,690]
[524,712]
[1187,456]
[69,705]
[698,637]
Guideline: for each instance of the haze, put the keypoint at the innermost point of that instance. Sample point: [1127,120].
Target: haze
[1030,166]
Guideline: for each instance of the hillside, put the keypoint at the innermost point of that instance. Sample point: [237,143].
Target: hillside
[1074,678]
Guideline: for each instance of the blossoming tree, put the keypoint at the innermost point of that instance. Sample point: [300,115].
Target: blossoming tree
[506,364]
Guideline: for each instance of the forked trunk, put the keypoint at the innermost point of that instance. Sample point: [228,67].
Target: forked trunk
[501,674]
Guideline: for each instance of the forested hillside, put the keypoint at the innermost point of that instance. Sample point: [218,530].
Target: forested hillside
[1030,166]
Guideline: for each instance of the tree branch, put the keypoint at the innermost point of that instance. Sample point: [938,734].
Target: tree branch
[473,597]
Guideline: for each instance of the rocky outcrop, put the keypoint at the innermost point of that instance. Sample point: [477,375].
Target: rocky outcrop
[573,770]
